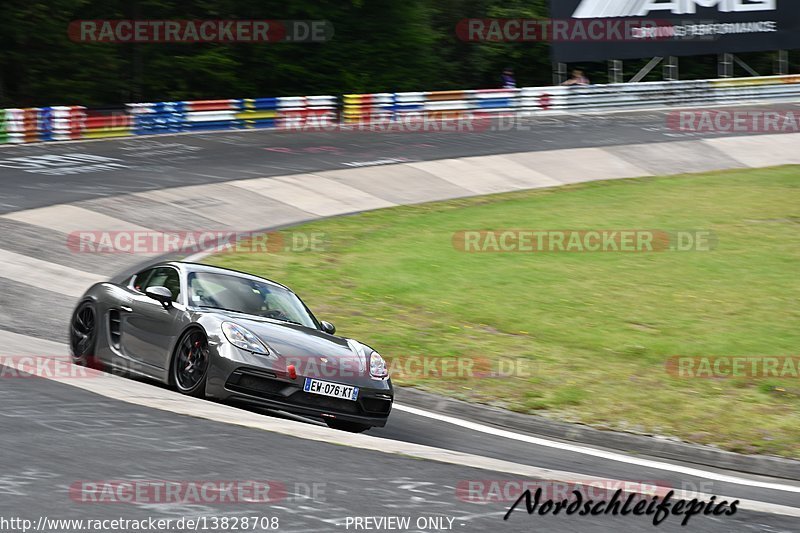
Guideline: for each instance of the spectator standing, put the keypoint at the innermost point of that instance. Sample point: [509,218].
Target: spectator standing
[578,78]
[508,81]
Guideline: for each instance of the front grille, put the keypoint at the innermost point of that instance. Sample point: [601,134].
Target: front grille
[263,384]
[252,384]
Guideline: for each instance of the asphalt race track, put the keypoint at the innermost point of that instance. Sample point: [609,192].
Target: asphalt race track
[144,163]
[56,434]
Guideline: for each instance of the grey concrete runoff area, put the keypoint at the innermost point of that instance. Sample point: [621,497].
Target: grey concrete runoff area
[60,433]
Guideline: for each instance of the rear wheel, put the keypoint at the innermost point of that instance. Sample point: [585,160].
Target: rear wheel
[83,335]
[344,425]
[190,364]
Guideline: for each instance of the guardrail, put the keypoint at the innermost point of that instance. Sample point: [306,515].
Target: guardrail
[61,123]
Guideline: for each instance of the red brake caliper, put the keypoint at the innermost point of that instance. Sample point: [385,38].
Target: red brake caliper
[189,362]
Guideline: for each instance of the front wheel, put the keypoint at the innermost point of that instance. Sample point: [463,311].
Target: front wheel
[83,335]
[343,425]
[190,364]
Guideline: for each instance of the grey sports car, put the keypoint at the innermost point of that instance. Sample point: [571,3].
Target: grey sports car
[219,333]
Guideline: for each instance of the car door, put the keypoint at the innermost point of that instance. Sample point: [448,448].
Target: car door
[148,328]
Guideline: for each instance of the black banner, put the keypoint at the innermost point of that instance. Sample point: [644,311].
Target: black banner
[597,30]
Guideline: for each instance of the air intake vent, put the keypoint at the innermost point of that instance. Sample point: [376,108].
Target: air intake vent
[114,328]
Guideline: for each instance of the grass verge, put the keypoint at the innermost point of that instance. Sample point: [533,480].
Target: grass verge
[581,337]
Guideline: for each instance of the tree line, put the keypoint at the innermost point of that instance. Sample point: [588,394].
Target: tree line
[377,45]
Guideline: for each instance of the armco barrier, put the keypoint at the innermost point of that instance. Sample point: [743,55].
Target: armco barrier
[371,107]
[101,123]
[676,93]
[62,123]
[297,112]
[257,112]
[24,126]
[3,127]
[210,115]
[69,122]
[156,118]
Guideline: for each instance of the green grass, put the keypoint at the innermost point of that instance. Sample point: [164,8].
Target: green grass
[594,328]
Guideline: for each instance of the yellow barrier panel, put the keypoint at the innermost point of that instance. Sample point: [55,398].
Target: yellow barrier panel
[256,115]
[755,82]
[107,132]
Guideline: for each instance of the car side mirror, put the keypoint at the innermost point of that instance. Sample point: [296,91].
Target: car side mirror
[327,327]
[162,294]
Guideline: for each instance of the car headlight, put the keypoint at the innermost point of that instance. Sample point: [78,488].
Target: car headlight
[243,338]
[377,366]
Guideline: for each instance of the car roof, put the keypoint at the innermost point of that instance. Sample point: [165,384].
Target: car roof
[200,267]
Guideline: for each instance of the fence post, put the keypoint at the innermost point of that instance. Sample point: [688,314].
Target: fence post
[782,64]
[725,65]
[615,71]
[559,73]
[671,69]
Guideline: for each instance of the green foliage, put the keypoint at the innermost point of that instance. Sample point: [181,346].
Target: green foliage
[378,45]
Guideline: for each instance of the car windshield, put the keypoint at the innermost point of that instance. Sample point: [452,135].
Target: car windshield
[235,293]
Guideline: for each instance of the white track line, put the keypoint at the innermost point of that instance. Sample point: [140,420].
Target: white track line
[611,456]
[147,395]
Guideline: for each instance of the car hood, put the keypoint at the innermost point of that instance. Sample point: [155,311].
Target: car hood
[313,352]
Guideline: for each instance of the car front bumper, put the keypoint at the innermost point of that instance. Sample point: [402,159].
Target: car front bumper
[239,376]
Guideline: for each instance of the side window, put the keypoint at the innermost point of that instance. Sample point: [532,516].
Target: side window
[140,279]
[165,277]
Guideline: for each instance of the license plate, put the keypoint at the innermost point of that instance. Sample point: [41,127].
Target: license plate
[335,390]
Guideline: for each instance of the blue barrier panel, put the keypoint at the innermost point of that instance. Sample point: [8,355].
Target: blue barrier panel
[494,103]
[213,125]
[160,117]
[263,124]
[45,124]
[265,103]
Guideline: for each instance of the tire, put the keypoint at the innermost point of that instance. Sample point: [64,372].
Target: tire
[189,366]
[83,329]
[343,425]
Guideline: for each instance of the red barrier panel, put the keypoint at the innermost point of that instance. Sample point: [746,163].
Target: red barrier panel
[210,105]
[439,96]
[30,124]
[108,121]
[77,121]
